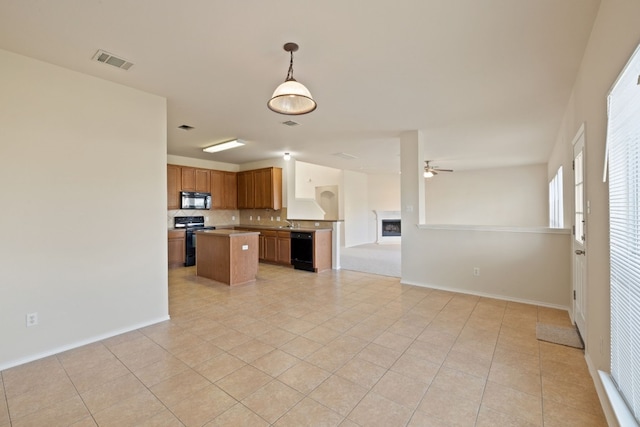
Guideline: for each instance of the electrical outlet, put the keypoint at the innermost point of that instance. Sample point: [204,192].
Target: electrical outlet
[277,218]
[271,218]
[250,217]
[476,271]
[317,224]
[233,217]
[32,319]
[258,217]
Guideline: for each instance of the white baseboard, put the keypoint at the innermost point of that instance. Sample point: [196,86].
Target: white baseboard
[56,350]
[485,295]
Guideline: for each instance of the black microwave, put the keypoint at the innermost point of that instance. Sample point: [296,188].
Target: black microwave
[193,200]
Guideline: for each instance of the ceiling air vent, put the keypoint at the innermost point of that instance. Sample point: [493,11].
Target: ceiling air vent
[290,123]
[107,58]
[346,156]
[185,127]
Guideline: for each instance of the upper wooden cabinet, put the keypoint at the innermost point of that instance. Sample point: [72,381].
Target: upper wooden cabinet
[254,189]
[246,190]
[221,184]
[231,190]
[223,190]
[260,189]
[194,179]
[173,187]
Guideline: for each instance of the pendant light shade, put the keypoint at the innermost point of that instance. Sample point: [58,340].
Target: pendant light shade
[291,97]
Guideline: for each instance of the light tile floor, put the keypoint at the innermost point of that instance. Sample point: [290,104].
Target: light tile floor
[339,348]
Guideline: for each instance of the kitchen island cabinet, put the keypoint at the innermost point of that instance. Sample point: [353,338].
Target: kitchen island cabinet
[227,256]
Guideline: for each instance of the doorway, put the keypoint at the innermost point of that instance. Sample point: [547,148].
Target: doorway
[579,234]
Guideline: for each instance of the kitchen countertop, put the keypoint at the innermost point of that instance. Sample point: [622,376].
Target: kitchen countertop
[226,232]
[229,227]
[278,228]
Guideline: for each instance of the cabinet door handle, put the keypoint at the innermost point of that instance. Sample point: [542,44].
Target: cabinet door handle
[580,252]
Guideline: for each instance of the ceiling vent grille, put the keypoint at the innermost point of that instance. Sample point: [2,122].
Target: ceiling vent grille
[346,156]
[107,58]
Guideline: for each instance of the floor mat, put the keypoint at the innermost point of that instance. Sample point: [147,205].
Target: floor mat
[559,335]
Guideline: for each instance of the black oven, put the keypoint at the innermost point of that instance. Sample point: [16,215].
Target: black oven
[190,224]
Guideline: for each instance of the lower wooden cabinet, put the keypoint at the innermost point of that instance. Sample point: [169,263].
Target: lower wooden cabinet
[284,248]
[176,248]
[270,245]
[274,246]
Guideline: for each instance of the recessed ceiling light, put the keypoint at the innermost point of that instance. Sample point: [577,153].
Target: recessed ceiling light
[185,127]
[224,146]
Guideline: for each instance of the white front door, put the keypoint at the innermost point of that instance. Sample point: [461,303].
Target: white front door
[579,237]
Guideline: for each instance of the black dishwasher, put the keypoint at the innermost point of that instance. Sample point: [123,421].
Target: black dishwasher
[302,250]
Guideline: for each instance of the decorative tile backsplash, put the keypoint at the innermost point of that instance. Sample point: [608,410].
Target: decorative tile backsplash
[266,217]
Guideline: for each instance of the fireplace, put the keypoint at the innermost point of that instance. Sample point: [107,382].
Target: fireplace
[391,227]
[388,227]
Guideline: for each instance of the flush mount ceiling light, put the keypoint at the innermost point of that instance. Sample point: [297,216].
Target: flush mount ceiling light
[224,146]
[291,97]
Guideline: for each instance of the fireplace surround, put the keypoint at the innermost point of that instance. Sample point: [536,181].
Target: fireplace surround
[388,227]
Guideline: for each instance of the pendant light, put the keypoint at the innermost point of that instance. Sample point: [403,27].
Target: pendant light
[291,97]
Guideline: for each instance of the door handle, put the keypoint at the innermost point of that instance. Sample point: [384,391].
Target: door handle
[580,252]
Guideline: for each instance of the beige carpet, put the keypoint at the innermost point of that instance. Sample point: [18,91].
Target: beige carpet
[559,335]
[372,258]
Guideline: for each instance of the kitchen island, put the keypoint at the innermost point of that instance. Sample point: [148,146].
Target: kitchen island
[227,256]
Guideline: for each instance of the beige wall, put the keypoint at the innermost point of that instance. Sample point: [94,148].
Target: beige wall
[614,38]
[355,208]
[81,161]
[528,264]
[514,196]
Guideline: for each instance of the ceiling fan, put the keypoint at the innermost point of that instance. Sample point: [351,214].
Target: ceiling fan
[430,171]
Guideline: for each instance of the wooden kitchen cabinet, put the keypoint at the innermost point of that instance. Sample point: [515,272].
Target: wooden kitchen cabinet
[224,191]
[260,189]
[174,187]
[284,248]
[176,248]
[322,250]
[231,190]
[268,188]
[246,190]
[194,179]
[274,246]
[270,245]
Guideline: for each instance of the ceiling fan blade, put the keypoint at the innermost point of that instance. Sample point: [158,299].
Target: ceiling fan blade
[444,170]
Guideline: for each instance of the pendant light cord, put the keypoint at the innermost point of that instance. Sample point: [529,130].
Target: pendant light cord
[290,73]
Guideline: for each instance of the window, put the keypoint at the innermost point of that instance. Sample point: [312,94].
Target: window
[623,152]
[556,212]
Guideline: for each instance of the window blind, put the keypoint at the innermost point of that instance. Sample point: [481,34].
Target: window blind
[556,212]
[623,141]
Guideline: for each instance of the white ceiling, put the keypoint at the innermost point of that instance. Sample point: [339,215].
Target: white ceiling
[486,80]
